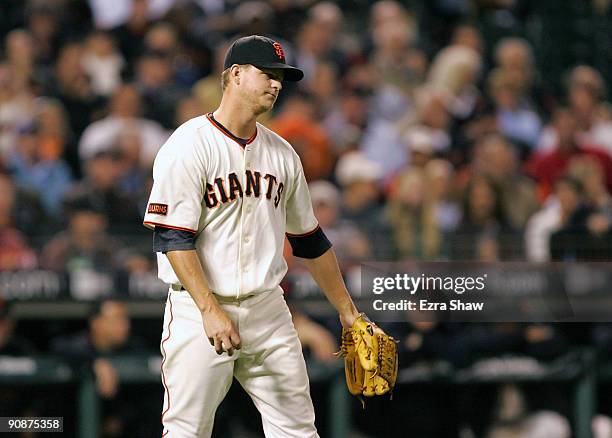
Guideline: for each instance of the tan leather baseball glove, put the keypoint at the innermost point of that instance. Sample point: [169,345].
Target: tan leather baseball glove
[370,358]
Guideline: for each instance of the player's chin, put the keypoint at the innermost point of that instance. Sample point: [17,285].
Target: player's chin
[270,99]
[265,107]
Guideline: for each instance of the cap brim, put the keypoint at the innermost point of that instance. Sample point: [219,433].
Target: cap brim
[292,74]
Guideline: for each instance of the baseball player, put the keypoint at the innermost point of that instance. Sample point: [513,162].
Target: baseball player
[226,192]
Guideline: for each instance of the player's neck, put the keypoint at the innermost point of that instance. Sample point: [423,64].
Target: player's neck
[236,119]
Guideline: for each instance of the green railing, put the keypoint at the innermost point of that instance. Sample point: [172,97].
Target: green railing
[579,368]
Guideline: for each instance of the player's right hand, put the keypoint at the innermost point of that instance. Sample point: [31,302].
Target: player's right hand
[221,332]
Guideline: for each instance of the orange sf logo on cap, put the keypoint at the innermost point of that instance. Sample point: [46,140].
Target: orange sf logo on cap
[279,51]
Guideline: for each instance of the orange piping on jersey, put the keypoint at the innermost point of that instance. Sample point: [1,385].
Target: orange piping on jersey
[172,227]
[305,234]
[164,360]
[229,134]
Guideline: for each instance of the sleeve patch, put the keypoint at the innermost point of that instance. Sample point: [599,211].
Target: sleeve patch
[161,209]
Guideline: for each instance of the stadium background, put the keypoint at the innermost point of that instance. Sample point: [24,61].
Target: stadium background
[429,130]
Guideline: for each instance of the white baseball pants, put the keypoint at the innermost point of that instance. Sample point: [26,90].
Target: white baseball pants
[269,366]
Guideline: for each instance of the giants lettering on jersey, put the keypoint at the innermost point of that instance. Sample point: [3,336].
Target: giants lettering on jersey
[221,191]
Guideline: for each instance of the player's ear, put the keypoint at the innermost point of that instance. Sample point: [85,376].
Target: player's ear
[235,71]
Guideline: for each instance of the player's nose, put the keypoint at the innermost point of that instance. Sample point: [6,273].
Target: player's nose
[276,84]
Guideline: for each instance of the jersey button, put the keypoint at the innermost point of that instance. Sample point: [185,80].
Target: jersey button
[246,240]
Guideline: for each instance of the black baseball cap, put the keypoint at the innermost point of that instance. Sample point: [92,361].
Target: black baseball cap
[262,52]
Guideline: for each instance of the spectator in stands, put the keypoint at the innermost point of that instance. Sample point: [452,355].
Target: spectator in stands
[454,74]
[541,226]
[324,88]
[516,119]
[254,17]
[568,242]
[399,65]
[36,165]
[416,232]
[85,244]
[107,336]
[124,119]
[359,178]
[350,244]
[27,214]
[130,33]
[348,119]
[297,123]
[590,174]
[590,212]
[20,54]
[548,166]
[440,180]
[317,341]
[15,253]
[468,35]
[100,188]
[186,109]
[54,132]
[72,86]
[452,83]
[497,159]
[381,142]
[208,89]
[484,232]
[514,58]
[395,68]
[421,145]
[164,38]
[585,233]
[317,40]
[586,94]
[155,78]
[44,23]
[16,108]
[427,127]
[103,63]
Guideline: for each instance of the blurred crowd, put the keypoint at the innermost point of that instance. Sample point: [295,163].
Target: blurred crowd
[419,141]
[428,130]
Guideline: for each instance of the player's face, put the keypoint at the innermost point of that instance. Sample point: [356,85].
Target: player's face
[261,87]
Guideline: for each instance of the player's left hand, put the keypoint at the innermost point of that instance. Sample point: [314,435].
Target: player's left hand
[370,358]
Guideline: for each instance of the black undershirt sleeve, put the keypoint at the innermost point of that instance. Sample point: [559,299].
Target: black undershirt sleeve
[311,245]
[168,239]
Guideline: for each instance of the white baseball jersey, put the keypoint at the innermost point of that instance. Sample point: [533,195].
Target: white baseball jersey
[238,201]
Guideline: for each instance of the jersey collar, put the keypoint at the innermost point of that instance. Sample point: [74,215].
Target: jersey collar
[227,133]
